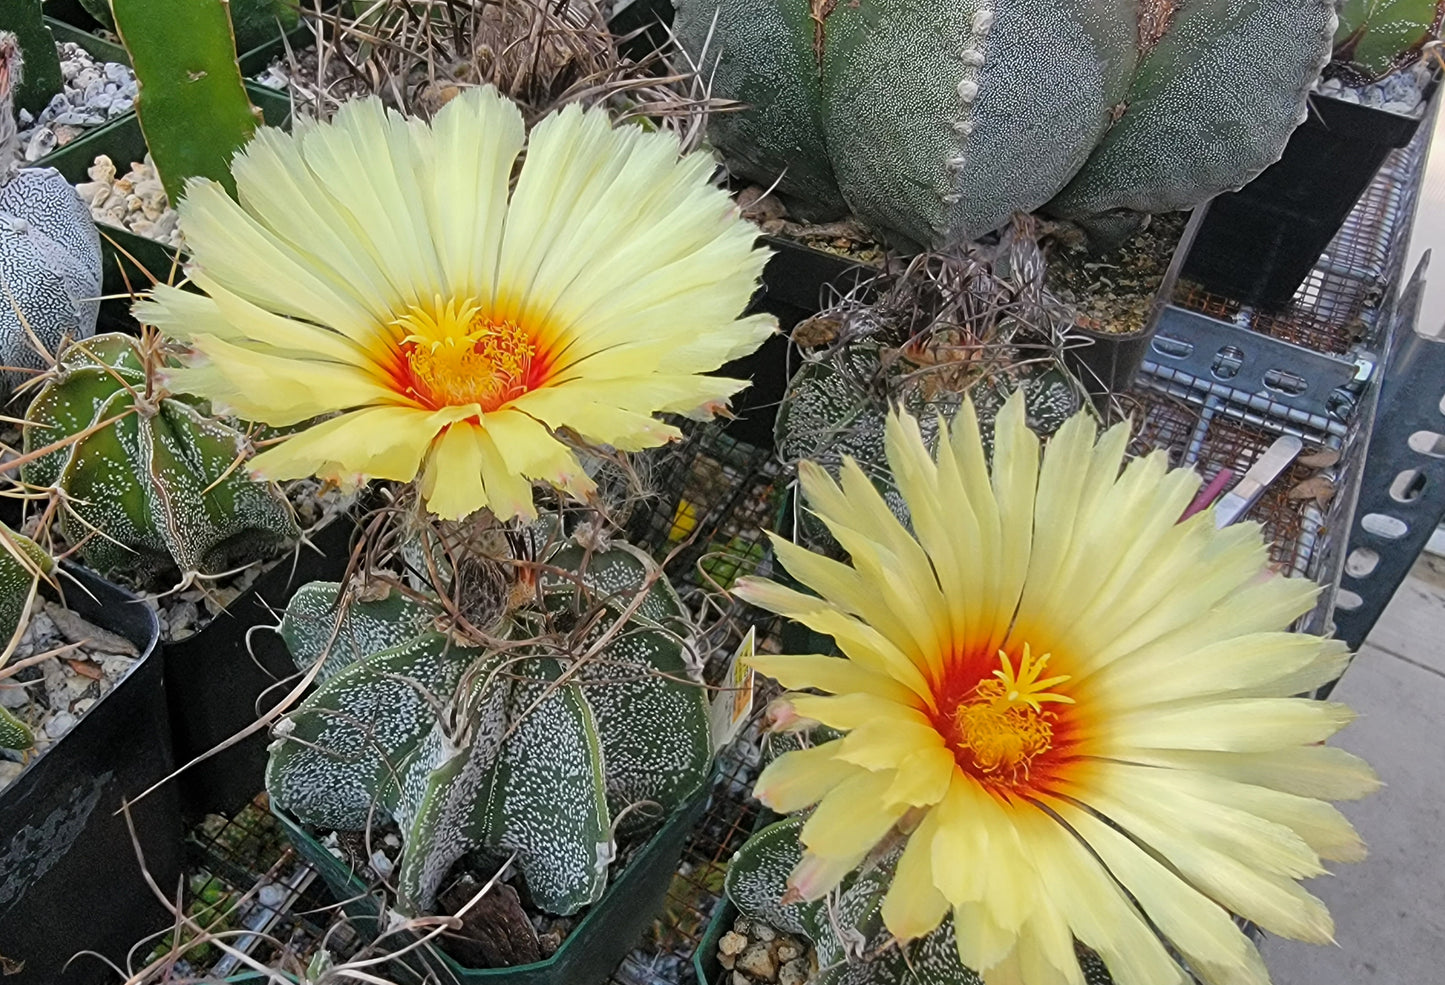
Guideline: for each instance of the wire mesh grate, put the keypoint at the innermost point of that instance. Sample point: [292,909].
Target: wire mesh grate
[1209,440]
[246,885]
[1336,308]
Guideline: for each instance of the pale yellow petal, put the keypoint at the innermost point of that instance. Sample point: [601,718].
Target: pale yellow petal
[375,442]
[982,944]
[851,818]
[1275,902]
[1099,914]
[849,711]
[1015,477]
[475,140]
[912,906]
[923,777]
[961,844]
[1199,927]
[219,313]
[1239,725]
[238,251]
[277,187]
[884,743]
[1062,477]
[816,875]
[452,486]
[1252,665]
[599,423]
[858,640]
[369,160]
[834,675]
[274,389]
[799,779]
[528,449]
[1324,772]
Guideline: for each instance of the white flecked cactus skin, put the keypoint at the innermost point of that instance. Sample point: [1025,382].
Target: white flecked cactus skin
[937,121]
[50,271]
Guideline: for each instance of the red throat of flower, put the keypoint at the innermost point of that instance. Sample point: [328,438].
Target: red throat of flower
[453,355]
[1006,730]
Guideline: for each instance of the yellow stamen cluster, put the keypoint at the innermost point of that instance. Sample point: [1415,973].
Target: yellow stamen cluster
[1002,726]
[457,356]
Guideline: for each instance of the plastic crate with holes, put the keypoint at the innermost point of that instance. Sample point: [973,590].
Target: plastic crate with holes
[1344,368]
[1312,363]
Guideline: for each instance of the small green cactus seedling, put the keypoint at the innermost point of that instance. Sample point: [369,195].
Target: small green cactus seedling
[150,482]
[22,564]
[1377,37]
[49,250]
[591,720]
[938,121]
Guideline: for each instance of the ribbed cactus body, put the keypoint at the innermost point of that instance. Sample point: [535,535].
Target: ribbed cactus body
[49,269]
[938,121]
[1377,37]
[541,750]
[22,564]
[836,406]
[151,482]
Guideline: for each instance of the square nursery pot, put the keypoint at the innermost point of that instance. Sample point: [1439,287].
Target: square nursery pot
[1257,245]
[69,877]
[217,679]
[130,261]
[609,929]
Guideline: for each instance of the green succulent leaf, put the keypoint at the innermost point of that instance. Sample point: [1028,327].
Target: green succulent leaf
[544,750]
[14,734]
[315,626]
[192,100]
[1377,37]
[995,107]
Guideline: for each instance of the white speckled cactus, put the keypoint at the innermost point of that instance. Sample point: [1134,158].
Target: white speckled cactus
[49,251]
[152,482]
[938,121]
[538,748]
[853,947]
[22,564]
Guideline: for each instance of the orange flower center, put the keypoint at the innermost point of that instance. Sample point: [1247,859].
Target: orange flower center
[1000,727]
[453,355]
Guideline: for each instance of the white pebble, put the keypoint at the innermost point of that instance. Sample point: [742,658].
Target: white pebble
[61,723]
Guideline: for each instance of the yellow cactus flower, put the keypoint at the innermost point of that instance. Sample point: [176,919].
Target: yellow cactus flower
[1077,710]
[387,271]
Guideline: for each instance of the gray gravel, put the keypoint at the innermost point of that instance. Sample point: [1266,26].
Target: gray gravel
[93,93]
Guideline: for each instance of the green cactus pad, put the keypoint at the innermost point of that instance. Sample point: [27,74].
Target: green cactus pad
[1377,37]
[544,750]
[192,100]
[157,483]
[40,76]
[14,734]
[22,564]
[937,122]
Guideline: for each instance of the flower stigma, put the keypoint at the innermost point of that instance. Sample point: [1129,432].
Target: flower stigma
[1001,727]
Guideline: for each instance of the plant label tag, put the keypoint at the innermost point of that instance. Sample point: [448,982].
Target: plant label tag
[734,700]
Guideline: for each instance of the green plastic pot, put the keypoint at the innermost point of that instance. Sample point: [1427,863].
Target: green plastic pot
[609,929]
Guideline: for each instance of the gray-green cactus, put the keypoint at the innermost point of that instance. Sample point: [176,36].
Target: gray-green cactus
[22,564]
[594,719]
[837,403]
[49,251]
[1377,37]
[938,121]
[853,948]
[151,481]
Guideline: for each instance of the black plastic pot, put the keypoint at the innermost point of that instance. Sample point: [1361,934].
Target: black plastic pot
[216,684]
[597,944]
[1257,245]
[797,283]
[69,877]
